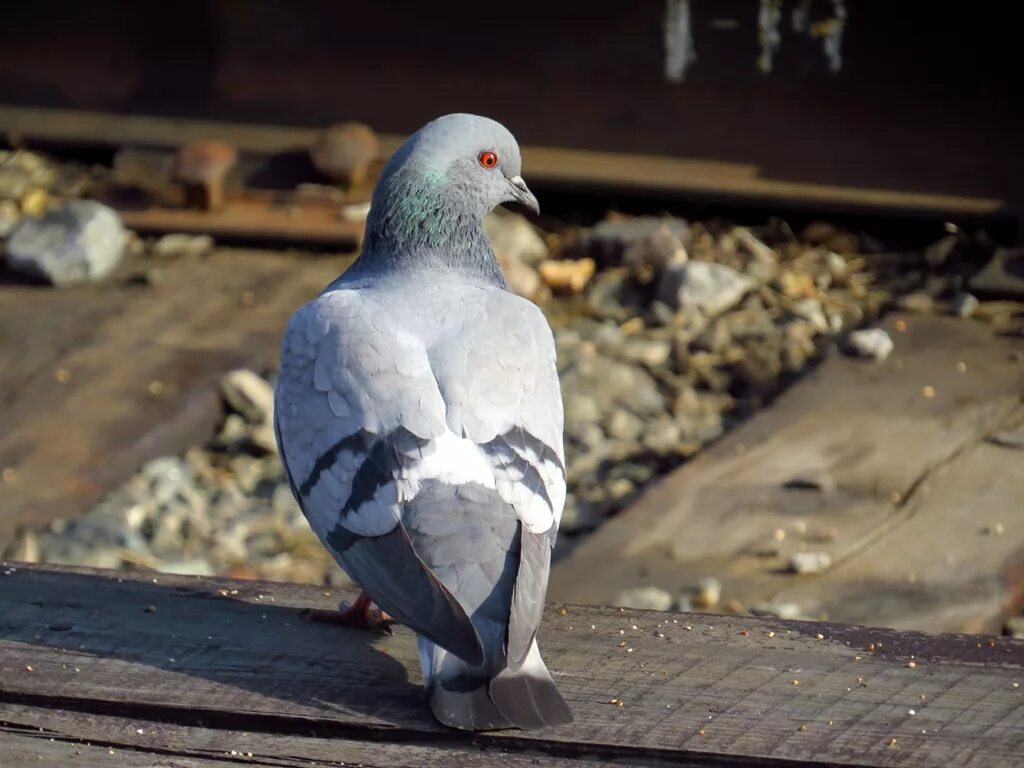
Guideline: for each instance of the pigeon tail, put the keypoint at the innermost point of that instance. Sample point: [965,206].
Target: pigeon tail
[473,699]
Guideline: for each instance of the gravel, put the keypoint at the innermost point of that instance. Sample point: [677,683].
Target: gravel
[646,384]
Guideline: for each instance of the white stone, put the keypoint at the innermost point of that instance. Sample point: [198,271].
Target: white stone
[79,242]
[249,395]
[644,598]
[704,285]
[512,236]
[809,562]
[871,342]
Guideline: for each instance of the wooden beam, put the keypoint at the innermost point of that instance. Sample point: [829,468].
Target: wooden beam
[917,513]
[544,165]
[646,688]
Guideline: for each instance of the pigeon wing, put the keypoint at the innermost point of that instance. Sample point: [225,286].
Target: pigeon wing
[356,403]
[499,381]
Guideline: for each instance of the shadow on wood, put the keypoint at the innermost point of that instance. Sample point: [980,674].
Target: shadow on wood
[192,668]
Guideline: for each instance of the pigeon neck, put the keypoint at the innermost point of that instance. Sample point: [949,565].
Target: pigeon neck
[427,226]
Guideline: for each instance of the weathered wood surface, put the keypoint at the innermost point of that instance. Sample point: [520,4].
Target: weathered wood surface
[544,165]
[185,324]
[924,525]
[206,666]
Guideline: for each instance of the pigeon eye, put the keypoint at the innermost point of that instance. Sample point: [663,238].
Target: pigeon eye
[488,159]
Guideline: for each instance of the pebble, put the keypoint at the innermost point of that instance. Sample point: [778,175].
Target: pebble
[872,343]
[707,286]
[512,236]
[248,395]
[82,241]
[917,302]
[964,305]
[178,245]
[709,592]
[809,562]
[644,598]
[566,276]
[609,240]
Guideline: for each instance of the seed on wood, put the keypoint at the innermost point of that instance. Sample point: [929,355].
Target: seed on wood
[803,728]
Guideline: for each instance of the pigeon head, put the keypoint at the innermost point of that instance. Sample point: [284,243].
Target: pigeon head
[429,203]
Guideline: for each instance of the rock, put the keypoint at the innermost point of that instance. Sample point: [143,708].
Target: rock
[521,277]
[232,432]
[566,276]
[788,611]
[264,438]
[195,567]
[661,435]
[644,598]
[830,236]
[757,250]
[581,409]
[811,311]
[9,216]
[917,302]
[653,353]
[608,241]
[511,235]
[797,285]
[248,395]
[1014,627]
[709,287]
[624,426]
[609,383]
[964,305]
[655,251]
[838,268]
[354,212]
[178,245]
[79,242]
[809,562]
[709,592]
[873,343]
[1003,273]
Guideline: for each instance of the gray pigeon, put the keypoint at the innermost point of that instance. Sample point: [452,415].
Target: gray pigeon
[419,418]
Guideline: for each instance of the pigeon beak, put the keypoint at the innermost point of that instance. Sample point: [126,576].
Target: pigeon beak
[522,194]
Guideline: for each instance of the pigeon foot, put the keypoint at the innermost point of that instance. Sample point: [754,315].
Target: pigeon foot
[358,615]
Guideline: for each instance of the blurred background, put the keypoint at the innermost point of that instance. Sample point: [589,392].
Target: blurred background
[779,246]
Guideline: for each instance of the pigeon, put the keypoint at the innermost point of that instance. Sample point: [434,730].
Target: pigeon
[419,419]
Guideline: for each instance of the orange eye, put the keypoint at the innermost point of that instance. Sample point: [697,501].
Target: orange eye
[488,159]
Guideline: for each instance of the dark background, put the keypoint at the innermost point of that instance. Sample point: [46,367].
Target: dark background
[929,97]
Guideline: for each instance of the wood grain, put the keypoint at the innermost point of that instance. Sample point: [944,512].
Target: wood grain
[915,486]
[695,689]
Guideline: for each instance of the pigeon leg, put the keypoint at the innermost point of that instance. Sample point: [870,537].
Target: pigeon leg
[359,615]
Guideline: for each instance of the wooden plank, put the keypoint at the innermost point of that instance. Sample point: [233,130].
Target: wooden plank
[544,165]
[870,431]
[695,689]
[67,443]
[254,221]
[35,736]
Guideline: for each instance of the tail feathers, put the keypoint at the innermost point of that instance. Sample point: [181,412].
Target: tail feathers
[467,697]
[527,697]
